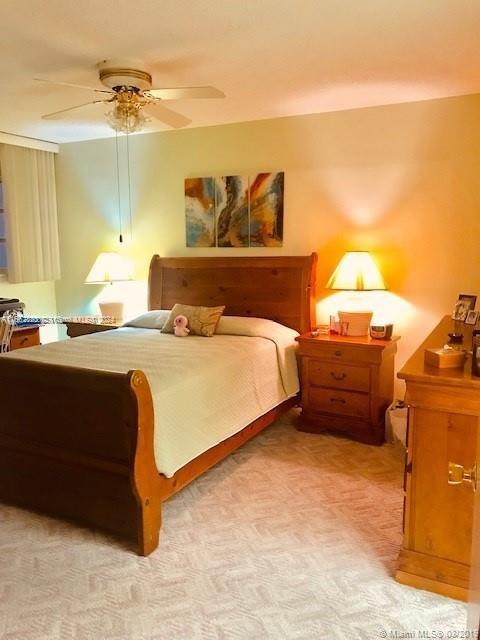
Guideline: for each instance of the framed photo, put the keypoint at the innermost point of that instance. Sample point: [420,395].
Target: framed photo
[464,304]
[472,317]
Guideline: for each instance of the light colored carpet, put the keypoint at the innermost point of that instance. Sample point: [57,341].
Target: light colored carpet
[293,536]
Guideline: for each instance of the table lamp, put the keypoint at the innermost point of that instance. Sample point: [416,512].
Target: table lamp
[356,271]
[110,267]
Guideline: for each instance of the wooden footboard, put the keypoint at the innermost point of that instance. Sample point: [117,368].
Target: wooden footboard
[78,443]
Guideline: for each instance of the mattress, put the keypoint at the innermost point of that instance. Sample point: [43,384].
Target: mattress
[204,389]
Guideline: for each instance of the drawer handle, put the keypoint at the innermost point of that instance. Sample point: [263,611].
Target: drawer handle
[457,474]
[23,340]
[342,376]
[341,400]
[337,353]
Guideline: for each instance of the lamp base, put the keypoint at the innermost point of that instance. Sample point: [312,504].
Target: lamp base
[358,322]
[112,310]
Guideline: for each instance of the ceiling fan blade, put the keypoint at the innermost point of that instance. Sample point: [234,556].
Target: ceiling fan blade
[59,114]
[172,118]
[180,93]
[75,86]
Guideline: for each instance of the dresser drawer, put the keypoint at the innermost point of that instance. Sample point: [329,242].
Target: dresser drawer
[24,338]
[338,376]
[347,403]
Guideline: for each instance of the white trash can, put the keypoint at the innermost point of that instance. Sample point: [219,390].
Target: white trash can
[396,418]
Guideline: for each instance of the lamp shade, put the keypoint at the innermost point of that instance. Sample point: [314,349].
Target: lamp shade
[356,271]
[109,267]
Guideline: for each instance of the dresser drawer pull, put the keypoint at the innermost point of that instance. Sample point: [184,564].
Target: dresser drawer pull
[457,474]
[335,376]
[337,353]
[341,400]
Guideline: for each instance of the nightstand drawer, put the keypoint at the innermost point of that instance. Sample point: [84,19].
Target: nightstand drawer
[345,403]
[24,338]
[348,353]
[339,376]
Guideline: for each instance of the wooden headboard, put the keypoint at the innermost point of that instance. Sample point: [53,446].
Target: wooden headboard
[278,288]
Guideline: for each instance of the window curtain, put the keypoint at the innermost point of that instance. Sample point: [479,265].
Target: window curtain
[28,178]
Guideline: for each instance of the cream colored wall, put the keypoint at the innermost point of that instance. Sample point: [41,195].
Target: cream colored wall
[402,181]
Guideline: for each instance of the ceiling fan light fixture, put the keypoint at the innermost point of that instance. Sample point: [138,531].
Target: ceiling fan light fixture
[126,117]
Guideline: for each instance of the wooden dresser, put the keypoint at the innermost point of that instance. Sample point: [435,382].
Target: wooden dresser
[347,384]
[444,414]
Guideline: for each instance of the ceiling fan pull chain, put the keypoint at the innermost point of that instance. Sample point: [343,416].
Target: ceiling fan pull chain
[129,186]
[120,237]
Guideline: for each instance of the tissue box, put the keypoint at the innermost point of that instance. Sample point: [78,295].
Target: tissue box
[445,358]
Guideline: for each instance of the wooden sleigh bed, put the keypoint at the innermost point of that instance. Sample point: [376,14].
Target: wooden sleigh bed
[78,443]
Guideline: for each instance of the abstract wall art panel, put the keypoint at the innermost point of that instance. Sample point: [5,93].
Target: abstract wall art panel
[231,206]
[200,212]
[266,210]
[235,211]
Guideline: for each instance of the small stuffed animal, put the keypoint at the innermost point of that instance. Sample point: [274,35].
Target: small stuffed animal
[180,326]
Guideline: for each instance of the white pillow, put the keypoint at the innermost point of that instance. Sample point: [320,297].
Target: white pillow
[248,326]
[149,320]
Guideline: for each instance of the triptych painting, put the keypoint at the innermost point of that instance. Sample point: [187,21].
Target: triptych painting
[235,211]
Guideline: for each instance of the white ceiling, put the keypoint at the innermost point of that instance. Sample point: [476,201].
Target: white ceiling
[271,57]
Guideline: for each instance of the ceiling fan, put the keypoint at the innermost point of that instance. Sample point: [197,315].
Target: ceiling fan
[131,95]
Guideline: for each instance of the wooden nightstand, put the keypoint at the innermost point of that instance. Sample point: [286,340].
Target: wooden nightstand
[83,327]
[347,384]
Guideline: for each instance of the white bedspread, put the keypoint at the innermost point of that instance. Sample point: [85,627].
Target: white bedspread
[204,389]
